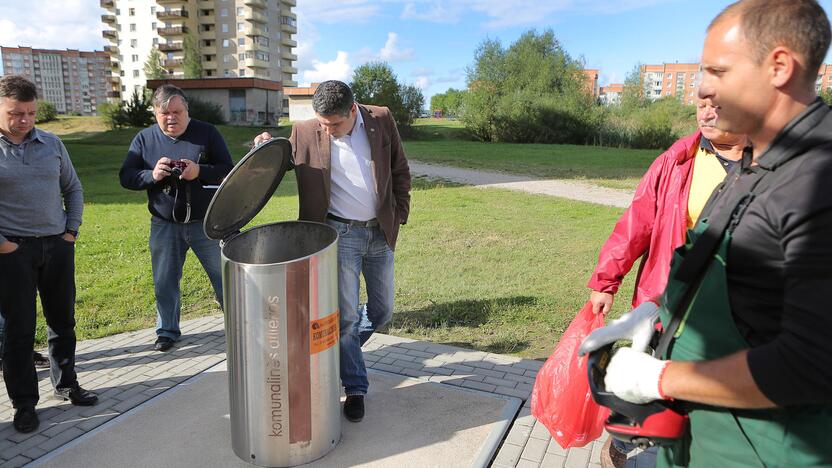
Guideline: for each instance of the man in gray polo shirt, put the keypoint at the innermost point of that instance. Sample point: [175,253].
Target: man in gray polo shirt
[41,202]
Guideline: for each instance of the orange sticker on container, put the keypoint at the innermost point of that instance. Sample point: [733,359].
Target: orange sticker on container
[323,333]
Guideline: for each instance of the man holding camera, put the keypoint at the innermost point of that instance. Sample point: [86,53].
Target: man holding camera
[174,161]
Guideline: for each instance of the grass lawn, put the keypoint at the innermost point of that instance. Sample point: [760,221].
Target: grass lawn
[487,269]
[444,141]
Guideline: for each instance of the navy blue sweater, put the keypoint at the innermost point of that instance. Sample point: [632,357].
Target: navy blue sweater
[201,142]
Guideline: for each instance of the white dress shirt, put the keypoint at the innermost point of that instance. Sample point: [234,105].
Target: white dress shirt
[353,189]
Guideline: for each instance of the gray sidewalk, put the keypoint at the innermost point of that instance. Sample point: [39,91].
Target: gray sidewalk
[127,371]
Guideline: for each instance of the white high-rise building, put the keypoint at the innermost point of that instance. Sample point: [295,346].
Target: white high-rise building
[234,38]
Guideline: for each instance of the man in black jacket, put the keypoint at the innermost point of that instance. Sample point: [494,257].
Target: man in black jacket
[174,161]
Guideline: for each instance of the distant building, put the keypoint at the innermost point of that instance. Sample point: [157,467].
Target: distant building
[74,81]
[610,94]
[591,82]
[233,39]
[245,101]
[824,81]
[300,102]
[671,79]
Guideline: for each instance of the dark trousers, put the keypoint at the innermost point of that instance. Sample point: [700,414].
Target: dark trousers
[45,265]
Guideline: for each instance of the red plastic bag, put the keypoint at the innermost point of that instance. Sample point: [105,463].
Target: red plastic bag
[561,399]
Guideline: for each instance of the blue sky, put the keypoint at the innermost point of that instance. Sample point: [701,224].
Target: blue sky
[428,43]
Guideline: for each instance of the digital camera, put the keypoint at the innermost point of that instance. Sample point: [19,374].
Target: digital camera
[176,167]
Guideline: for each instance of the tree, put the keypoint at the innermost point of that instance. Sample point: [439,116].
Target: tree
[449,102]
[193,58]
[633,95]
[375,83]
[153,67]
[46,112]
[826,95]
[137,111]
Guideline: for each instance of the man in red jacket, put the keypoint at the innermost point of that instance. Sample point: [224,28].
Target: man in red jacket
[667,202]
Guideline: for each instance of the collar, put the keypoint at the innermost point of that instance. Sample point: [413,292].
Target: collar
[706,145]
[33,135]
[792,139]
[359,120]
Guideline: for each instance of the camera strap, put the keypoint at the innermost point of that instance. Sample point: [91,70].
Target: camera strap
[187,189]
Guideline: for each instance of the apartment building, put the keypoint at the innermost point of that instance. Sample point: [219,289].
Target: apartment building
[591,81]
[74,81]
[671,79]
[233,38]
[610,94]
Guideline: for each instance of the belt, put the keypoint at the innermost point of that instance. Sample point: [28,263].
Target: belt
[369,223]
[19,239]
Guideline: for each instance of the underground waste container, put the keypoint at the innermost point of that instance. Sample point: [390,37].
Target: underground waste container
[280,287]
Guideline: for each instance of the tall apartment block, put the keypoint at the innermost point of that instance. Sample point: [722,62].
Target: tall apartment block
[74,81]
[234,38]
[671,79]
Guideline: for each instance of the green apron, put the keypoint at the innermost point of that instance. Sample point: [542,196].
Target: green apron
[720,437]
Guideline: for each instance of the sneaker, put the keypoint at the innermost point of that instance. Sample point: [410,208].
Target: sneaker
[41,362]
[163,343]
[354,408]
[611,457]
[76,395]
[26,419]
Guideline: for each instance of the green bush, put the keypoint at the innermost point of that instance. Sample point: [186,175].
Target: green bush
[206,111]
[46,112]
[375,83]
[134,113]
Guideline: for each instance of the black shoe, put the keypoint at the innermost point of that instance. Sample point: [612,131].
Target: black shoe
[163,343]
[26,419]
[354,407]
[76,395]
[40,361]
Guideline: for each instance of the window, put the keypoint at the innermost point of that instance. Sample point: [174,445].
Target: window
[241,26]
[226,43]
[241,41]
[242,72]
[135,73]
[225,28]
[153,26]
[241,57]
[155,40]
[227,58]
[134,43]
[134,57]
[131,12]
[153,10]
[223,11]
[240,11]
[133,27]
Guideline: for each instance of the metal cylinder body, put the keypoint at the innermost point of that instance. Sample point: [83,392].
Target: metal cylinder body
[280,284]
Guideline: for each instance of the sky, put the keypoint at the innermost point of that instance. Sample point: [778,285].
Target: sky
[428,43]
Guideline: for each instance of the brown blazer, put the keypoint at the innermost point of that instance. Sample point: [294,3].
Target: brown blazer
[311,152]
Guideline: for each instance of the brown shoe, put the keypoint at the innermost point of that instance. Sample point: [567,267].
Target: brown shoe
[611,457]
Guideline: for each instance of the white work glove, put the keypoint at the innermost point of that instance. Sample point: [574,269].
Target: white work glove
[637,325]
[635,376]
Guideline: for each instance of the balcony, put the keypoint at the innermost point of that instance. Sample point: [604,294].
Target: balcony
[255,31]
[108,4]
[172,2]
[256,3]
[115,64]
[112,50]
[288,55]
[289,69]
[110,34]
[255,63]
[170,47]
[285,40]
[208,19]
[172,14]
[289,83]
[173,31]
[109,19]
[212,65]
[113,94]
[172,63]
[256,17]
[256,47]
[290,3]
[205,4]
[288,28]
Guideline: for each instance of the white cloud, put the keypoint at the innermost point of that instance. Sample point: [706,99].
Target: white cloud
[391,53]
[338,69]
[343,11]
[45,24]
[436,12]
[422,82]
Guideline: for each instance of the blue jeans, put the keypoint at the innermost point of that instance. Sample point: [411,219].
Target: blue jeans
[364,251]
[169,243]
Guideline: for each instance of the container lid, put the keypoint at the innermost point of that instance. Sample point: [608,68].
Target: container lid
[247,188]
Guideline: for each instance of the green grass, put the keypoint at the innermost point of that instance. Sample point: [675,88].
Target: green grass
[485,269]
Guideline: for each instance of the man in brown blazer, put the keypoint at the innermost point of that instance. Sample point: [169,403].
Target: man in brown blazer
[352,173]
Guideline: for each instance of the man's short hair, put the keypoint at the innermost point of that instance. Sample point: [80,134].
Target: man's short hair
[18,88]
[800,25]
[332,97]
[163,95]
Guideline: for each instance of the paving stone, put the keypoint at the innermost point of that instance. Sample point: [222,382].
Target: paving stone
[416,346]
[33,441]
[17,461]
[539,431]
[550,460]
[527,464]
[407,364]
[518,435]
[534,450]
[61,439]
[508,455]
[577,458]
[523,394]
[387,368]
[422,354]
[438,370]
[555,448]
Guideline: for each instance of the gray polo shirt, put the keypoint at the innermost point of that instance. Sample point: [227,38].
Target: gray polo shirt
[40,194]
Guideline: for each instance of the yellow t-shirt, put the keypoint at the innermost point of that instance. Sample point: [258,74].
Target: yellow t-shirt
[708,172]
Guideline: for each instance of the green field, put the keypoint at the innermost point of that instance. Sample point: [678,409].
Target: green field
[486,269]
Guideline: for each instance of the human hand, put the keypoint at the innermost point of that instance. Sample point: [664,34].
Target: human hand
[191,170]
[162,168]
[8,247]
[635,376]
[637,325]
[262,138]
[69,237]
[601,302]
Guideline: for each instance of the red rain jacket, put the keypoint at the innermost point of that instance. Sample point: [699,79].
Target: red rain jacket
[652,227]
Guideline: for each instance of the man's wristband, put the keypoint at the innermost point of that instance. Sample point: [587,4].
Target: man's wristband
[70,231]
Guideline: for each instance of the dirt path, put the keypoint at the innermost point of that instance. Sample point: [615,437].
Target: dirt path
[572,189]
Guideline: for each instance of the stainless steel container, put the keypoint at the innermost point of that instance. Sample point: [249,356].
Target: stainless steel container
[280,283]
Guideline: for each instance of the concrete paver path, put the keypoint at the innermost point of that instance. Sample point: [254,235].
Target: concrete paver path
[572,189]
